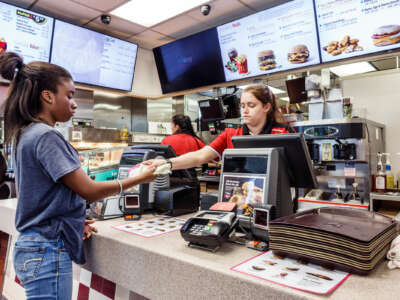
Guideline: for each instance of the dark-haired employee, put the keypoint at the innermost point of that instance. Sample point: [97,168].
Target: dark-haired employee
[183,138]
[260,116]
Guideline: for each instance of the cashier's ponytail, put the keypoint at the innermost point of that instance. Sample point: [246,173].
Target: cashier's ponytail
[185,125]
[23,102]
[265,95]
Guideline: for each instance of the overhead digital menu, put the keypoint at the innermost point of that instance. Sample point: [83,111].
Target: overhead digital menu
[92,57]
[349,28]
[277,39]
[25,32]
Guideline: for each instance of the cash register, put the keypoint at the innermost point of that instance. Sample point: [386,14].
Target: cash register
[257,176]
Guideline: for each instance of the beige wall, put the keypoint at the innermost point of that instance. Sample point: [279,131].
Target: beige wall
[146,82]
[379,94]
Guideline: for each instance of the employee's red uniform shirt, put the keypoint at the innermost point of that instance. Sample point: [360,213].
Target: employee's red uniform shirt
[224,140]
[183,143]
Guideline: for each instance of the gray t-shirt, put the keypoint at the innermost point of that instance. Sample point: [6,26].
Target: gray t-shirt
[45,204]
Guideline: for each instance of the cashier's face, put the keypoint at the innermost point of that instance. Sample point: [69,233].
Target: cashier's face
[64,104]
[253,111]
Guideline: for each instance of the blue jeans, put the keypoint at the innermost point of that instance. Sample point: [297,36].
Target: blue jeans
[43,266]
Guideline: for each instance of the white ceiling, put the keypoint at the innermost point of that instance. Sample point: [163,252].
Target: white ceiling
[87,13]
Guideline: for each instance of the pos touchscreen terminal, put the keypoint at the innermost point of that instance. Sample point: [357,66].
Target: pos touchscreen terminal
[258,174]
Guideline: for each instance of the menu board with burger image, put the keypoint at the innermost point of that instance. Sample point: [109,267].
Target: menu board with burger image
[349,28]
[277,39]
[25,32]
[245,191]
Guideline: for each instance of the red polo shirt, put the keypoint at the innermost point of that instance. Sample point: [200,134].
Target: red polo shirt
[183,143]
[224,140]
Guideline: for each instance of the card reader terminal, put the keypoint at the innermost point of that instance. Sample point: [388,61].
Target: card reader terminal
[208,229]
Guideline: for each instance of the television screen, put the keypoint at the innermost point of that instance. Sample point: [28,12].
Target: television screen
[94,58]
[191,62]
[211,110]
[277,39]
[25,32]
[296,89]
[353,27]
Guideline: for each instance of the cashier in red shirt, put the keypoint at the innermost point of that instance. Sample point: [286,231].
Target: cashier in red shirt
[260,116]
[183,138]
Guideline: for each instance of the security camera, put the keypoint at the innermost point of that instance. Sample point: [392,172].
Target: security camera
[205,9]
[106,19]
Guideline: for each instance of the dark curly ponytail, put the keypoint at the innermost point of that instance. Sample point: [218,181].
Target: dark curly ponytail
[23,102]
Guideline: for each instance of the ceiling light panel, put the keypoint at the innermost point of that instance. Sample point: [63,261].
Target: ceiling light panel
[150,12]
[352,69]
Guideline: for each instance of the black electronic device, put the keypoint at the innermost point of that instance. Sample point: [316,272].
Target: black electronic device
[144,192]
[177,201]
[294,150]
[190,62]
[212,110]
[260,222]
[296,89]
[209,229]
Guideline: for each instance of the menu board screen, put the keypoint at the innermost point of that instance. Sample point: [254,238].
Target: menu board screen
[349,28]
[277,39]
[26,33]
[92,57]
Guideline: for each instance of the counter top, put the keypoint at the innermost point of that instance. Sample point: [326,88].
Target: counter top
[164,267]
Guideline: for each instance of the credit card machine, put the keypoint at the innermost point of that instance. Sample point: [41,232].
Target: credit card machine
[209,229]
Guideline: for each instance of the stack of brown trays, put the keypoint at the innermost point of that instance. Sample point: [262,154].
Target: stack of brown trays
[348,239]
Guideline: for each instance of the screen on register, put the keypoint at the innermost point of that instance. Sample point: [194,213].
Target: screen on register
[25,32]
[92,57]
[246,164]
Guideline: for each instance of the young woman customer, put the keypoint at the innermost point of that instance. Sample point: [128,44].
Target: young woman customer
[52,187]
[260,115]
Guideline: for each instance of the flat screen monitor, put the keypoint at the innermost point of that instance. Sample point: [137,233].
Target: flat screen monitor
[165,150]
[353,27]
[25,32]
[295,151]
[211,110]
[94,58]
[277,39]
[190,62]
[296,89]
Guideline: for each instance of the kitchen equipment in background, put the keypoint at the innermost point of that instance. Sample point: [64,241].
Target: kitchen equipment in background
[344,156]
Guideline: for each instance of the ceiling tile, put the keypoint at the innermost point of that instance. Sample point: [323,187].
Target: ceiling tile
[20,3]
[222,11]
[67,10]
[103,5]
[259,5]
[101,28]
[122,26]
[180,26]
[150,39]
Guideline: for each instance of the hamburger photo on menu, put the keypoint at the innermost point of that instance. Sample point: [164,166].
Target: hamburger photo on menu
[266,60]
[298,54]
[386,35]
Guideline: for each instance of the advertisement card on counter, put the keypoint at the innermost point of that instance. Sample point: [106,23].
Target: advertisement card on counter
[292,273]
[280,38]
[153,227]
[245,191]
[353,27]
[25,32]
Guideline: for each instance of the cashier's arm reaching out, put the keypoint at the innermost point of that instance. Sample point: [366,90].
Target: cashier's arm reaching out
[91,191]
[186,161]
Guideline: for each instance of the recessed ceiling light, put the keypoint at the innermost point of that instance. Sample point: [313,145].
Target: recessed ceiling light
[150,12]
[274,90]
[352,69]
